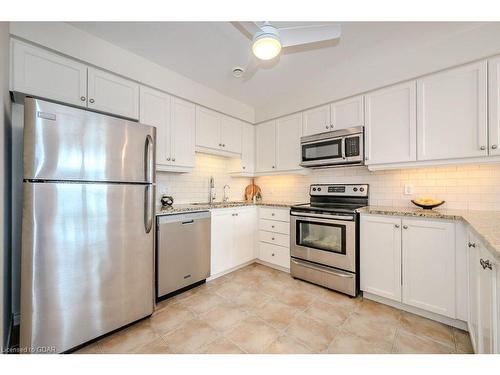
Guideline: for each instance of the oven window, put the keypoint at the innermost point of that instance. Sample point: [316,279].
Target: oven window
[321,236]
[322,150]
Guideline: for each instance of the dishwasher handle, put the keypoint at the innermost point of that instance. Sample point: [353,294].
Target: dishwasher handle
[183,217]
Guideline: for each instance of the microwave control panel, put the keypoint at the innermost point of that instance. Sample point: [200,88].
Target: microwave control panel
[352,146]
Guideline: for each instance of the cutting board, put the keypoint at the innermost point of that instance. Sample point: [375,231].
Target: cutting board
[251,190]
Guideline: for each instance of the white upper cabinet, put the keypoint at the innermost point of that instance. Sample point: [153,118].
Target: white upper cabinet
[316,120]
[155,111]
[182,131]
[207,128]
[37,72]
[217,132]
[380,256]
[112,94]
[174,119]
[265,138]
[494,106]
[452,113]
[288,133]
[231,134]
[429,265]
[248,148]
[390,124]
[347,113]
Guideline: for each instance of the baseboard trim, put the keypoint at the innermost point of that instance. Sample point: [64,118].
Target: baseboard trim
[213,277]
[276,267]
[415,310]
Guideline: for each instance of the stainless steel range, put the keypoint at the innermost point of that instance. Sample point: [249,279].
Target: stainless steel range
[324,236]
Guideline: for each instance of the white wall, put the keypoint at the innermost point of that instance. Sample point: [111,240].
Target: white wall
[377,67]
[5,307]
[78,44]
[474,187]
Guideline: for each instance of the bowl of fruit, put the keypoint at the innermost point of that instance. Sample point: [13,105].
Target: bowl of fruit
[427,203]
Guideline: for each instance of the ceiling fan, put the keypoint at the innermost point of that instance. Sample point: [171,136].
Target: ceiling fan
[268,40]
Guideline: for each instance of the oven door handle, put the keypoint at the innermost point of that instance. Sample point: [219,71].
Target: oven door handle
[323,269]
[322,216]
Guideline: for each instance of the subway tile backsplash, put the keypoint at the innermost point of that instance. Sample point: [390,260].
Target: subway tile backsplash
[194,186]
[475,187]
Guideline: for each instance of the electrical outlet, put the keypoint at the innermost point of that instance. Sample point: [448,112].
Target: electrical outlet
[408,189]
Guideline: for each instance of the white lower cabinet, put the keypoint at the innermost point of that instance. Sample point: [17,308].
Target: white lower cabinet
[428,254]
[380,256]
[274,236]
[411,261]
[483,298]
[233,238]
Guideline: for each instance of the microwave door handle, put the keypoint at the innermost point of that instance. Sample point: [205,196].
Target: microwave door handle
[343,145]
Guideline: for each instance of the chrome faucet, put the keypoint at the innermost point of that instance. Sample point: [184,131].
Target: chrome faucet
[212,195]
[226,193]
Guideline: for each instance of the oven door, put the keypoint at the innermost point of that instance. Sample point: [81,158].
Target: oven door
[324,239]
[322,152]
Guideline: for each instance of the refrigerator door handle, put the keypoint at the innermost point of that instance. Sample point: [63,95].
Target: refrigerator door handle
[148,159]
[148,208]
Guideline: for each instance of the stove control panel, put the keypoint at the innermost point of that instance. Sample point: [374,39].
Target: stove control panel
[347,190]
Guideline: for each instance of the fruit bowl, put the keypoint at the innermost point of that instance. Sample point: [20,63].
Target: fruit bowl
[427,204]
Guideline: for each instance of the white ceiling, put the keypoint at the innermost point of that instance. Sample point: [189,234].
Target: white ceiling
[206,52]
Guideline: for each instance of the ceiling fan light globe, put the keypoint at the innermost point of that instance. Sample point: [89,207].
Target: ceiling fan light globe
[266,47]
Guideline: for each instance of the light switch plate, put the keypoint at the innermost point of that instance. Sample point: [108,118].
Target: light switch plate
[408,189]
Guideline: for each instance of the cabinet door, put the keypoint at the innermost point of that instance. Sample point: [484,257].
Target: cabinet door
[494,105]
[155,111]
[380,256]
[452,113]
[288,133]
[265,138]
[182,125]
[429,265]
[112,94]
[244,241]
[222,239]
[473,290]
[390,124]
[347,113]
[37,72]
[487,300]
[317,120]
[248,149]
[208,124]
[231,134]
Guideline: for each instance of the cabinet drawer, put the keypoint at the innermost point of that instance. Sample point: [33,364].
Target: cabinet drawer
[274,226]
[274,254]
[280,214]
[275,238]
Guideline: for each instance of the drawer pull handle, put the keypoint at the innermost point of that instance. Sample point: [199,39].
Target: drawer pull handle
[272,254]
[272,226]
[322,269]
[272,214]
[272,238]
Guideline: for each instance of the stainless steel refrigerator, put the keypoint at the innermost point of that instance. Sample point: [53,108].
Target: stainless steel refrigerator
[87,230]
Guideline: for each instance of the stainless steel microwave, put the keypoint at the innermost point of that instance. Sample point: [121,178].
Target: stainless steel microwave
[333,149]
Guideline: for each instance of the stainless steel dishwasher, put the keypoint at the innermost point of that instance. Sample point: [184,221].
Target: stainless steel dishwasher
[182,251]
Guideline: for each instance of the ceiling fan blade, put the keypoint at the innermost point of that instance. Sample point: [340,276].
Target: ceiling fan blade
[294,36]
[248,28]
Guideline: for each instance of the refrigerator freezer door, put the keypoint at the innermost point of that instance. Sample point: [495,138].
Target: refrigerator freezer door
[63,143]
[87,261]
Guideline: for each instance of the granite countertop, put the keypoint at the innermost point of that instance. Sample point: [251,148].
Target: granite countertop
[484,224]
[190,207]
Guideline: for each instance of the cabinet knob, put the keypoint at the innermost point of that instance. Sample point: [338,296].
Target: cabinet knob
[494,147]
[482,147]
[486,264]
[405,226]
[471,244]
[331,126]
[168,159]
[91,100]
[82,98]
[244,167]
[223,145]
[272,226]
[272,238]
[396,225]
[173,159]
[327,127]
[272,254]
[220,144]
[274,167]
[272,214]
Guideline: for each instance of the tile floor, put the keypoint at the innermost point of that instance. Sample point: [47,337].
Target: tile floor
[261,310]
